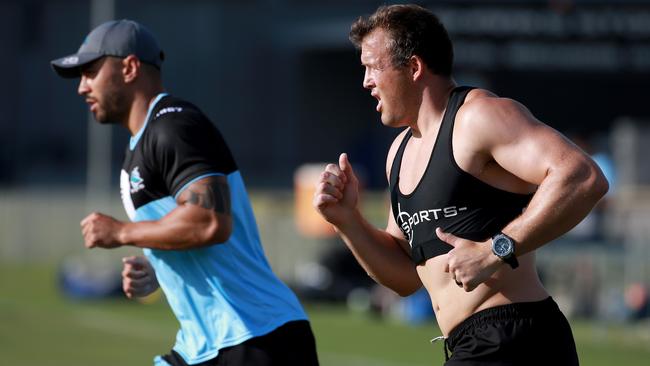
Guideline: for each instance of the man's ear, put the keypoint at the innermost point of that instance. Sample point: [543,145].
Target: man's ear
[416,67]
[130,68]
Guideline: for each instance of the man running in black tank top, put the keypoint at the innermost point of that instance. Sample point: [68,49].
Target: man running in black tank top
[477,185]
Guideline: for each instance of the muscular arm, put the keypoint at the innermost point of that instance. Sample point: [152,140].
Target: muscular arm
[380,252]
[201,218]
[569,182]
[501,143]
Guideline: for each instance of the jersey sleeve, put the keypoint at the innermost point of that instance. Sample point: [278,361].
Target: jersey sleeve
[187,147]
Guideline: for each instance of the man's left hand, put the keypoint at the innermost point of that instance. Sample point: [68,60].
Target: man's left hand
[101,231]
[469,263]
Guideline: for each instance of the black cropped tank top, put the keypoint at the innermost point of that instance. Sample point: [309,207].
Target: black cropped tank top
[448,197]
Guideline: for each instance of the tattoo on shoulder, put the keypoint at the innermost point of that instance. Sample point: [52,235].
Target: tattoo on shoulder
[215,195]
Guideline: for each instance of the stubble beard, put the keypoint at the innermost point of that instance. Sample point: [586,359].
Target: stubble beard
[114,108]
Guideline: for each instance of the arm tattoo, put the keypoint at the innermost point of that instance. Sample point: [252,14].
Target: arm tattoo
[213,195]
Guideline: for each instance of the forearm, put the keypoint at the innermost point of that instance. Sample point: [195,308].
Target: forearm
[380,255]
[562,200]
[180,229]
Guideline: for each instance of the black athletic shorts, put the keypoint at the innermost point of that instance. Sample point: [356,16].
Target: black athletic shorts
[291,344]
[530,333]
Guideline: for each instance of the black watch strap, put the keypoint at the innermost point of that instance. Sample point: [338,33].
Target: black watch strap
[512,261]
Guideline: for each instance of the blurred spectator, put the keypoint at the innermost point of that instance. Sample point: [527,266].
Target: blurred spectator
[637,301]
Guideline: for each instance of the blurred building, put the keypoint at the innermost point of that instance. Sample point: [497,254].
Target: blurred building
[278,75]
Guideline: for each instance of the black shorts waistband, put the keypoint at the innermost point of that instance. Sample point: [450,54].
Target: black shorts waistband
[518,310]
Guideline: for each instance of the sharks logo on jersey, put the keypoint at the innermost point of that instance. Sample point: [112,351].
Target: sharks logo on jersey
[137,183]
[126,194]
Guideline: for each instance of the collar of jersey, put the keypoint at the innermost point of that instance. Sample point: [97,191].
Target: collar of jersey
[136,138]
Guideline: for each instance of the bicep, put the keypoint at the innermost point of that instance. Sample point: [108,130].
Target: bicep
[526,147]
[204,209]
[210,193]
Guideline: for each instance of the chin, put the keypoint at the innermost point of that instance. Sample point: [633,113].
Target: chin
[103,120]
[389,122]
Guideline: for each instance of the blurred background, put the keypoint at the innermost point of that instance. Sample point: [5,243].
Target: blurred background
[283,83]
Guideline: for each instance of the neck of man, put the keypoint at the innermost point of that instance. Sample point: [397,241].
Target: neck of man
[142,100]
[435,94]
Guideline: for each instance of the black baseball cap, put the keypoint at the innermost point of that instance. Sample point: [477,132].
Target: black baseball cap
[118,38]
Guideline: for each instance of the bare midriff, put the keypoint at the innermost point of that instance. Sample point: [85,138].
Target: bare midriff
[452,304]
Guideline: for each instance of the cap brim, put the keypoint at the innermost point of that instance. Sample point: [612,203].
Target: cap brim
[69,66]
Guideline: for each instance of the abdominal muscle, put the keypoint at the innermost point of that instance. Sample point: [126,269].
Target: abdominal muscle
[452,304]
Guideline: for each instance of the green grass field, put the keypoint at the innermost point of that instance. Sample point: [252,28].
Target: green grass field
[40,327]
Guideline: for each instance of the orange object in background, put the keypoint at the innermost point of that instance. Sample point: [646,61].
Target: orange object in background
[308,221]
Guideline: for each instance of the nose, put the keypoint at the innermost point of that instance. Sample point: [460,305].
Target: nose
[83,88]
[368,81]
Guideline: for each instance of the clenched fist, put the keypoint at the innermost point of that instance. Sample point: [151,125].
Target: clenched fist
[102,231]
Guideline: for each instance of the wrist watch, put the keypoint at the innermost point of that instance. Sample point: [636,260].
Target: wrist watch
[504,247]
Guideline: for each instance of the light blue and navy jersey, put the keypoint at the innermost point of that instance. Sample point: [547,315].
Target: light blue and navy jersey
[223,294]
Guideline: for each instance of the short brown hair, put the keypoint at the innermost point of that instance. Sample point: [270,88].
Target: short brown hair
[414,30]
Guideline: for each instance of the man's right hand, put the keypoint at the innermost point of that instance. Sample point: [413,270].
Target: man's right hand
[337,192]
[138,277]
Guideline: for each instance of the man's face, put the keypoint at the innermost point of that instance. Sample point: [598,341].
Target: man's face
[388,84]
[103,88]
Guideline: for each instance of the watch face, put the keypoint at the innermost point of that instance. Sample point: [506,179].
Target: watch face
[502,246]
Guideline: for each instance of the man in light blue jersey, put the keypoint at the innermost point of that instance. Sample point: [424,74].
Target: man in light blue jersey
[190,213]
